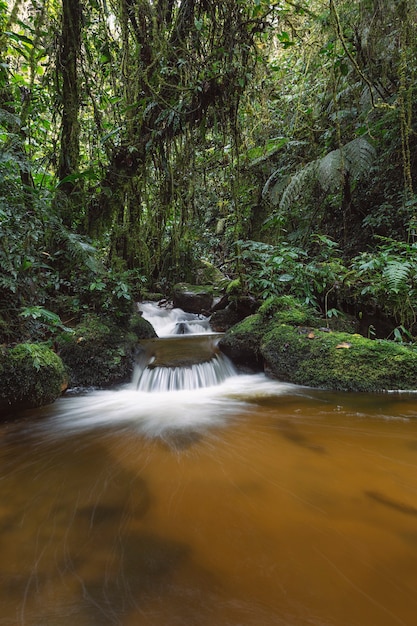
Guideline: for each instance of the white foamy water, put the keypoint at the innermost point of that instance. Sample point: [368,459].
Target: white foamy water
[154,413]
[168,321]
[195,364]
[196,376]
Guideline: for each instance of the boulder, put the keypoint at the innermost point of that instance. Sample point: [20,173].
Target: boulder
[31,375]
[223,319]
[193,298]
[338,361]
[242,343]
[292,343]
[100,353]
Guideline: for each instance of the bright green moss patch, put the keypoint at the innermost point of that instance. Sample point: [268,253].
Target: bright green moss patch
[340,361]
[30,375]
[288,310]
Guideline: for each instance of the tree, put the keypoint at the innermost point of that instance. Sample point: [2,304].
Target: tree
[68,59]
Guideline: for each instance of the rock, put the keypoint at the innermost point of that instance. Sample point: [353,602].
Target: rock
[31,375]
[338,361]
[208,274]
[227,312]
[287,339]
[193,298]
[101,353]
[242,343]
[223,319]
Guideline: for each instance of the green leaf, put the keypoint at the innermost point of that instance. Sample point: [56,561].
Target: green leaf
[18,37]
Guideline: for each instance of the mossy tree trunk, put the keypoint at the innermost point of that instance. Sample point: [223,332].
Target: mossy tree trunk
[67,68]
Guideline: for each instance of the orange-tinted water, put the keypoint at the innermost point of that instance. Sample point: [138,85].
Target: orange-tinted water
[298,508]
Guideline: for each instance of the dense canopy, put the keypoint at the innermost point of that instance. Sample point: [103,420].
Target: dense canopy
[274,140]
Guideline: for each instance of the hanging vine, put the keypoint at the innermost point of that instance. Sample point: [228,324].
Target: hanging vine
[186,66]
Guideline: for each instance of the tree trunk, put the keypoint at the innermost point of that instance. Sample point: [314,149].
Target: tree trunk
[67,67]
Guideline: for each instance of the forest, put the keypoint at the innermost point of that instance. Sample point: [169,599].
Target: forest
[143,140]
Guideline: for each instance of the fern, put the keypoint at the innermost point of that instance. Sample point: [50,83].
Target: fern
[329,170]
[359,155]
[297,182]
[397,274]
[354,158]
[75,246]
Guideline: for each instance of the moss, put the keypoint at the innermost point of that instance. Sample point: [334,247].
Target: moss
[234,288]
[101,353]
[288,310]
[30,375]
[242,342]
[207,273]
[141,328]
[340,361]
[194,289]
[193,298]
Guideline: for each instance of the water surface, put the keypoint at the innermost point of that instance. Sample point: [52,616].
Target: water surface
[248,503]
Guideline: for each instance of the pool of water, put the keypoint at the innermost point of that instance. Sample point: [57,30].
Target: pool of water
[248,503]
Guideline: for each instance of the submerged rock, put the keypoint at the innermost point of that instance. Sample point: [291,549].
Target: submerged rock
[31,375]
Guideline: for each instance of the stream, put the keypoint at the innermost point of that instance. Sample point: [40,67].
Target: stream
[200,496]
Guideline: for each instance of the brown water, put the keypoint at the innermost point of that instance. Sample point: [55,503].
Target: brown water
[255,504]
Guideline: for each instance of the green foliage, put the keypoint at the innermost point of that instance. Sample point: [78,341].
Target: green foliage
[382,281]
[286,269]
[354,159]
[44,323]
[385,279]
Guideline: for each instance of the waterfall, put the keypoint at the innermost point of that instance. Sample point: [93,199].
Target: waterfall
[167,321]
[185,355]
[194,376]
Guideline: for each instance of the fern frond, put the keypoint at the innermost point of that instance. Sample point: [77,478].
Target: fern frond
[269,186]
[329,170]
[301,179]
[359,155]
[355,158]
[396,274]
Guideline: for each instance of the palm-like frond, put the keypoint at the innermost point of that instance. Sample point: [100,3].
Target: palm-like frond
[354,158]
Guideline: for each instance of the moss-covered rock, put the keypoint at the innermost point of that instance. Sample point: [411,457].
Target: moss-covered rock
[209,274]
[242,342]
[287,339]
[340,361]
[141,328]
[192,298]
[288,310]
[101,353]
[31,375]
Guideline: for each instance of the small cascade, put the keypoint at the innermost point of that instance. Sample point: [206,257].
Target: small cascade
[185,355]
[167,322]
[195,376]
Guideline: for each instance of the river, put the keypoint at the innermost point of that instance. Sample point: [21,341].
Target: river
[246,503]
